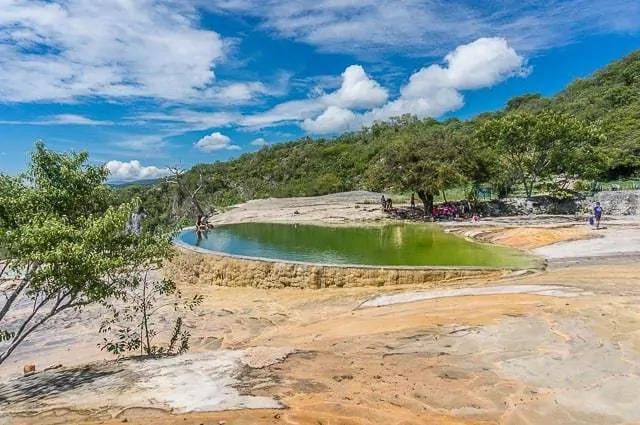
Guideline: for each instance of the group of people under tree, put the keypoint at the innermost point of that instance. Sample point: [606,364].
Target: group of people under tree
[447,210]
[463,209]
[387,203]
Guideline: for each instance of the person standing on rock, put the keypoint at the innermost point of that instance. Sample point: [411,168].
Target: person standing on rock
[413,200]
[597,214]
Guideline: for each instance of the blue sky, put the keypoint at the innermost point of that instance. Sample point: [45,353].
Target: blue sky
[147,84]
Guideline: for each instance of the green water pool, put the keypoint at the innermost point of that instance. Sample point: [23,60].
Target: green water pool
[388,245]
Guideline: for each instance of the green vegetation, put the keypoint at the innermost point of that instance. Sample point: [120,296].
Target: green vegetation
[533,146]
[133,323]
[64,246]
[589,131]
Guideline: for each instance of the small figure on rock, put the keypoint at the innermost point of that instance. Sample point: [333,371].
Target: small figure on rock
[597,214]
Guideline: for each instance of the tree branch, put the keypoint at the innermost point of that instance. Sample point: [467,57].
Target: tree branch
[4,268]
[57,308]
[18,290]
[26,322]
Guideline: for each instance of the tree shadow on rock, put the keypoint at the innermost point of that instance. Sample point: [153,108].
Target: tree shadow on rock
[49,384]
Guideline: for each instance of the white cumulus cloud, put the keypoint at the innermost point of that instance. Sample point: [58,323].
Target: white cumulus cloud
[437,89]
[215,142]
[133,170]
[482,63]
[357,90]
[430,92]
[333,120]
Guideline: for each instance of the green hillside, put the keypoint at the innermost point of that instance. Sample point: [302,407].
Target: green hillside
[610,98]
[404,153]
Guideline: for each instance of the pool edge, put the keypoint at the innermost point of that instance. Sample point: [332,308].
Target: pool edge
[181,244]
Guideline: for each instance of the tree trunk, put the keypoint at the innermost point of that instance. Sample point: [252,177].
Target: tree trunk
[444,195]
[427,201]
[24,282]
[527,188]
[196,203]
[145,318]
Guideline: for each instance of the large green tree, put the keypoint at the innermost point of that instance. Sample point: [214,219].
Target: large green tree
[427,160]
[63,247]
[536,146]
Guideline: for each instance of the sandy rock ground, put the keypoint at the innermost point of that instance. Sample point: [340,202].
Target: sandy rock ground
[555,347]
[341,208]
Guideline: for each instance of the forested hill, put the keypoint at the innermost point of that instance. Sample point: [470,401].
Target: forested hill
[610,98]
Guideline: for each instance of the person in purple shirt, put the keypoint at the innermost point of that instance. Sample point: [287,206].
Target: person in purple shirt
[597,213]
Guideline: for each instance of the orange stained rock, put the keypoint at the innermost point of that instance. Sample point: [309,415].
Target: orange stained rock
[423,315]
[532,237]
[306,411]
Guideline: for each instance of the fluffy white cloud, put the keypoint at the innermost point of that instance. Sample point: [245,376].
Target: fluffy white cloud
[333,120]
[259,142]
[357,91]
[215,142]
[432,105]
[61,50]
[482,63]
[133,170]
[431,91]
[436,89]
